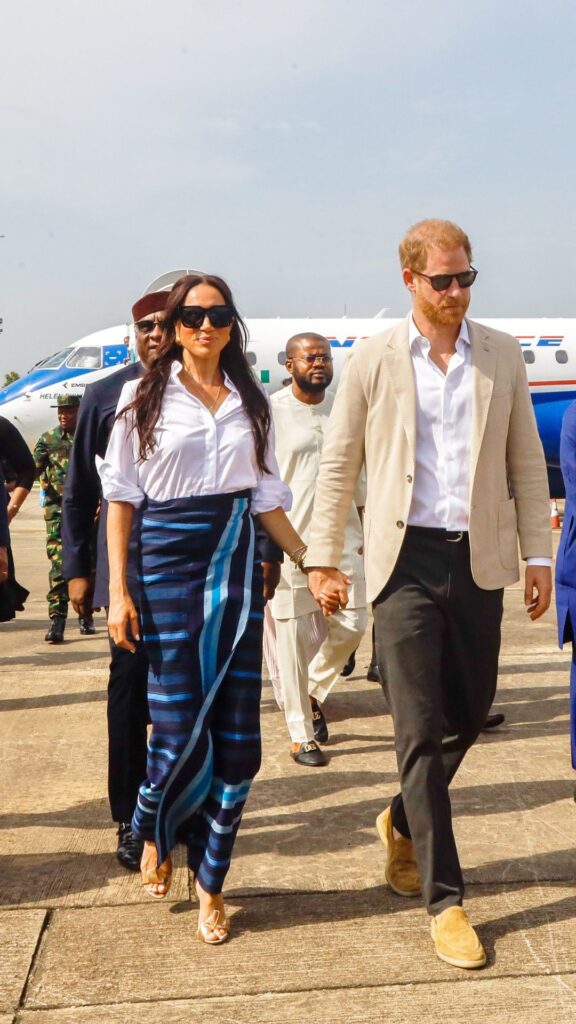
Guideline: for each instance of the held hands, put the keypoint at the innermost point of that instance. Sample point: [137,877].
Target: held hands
[329,587]
[537,590]
[123,625]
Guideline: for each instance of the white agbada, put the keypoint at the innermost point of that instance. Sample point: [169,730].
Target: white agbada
[311,650]
[299,435]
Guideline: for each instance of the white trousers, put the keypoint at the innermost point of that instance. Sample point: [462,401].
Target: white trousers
[301,677]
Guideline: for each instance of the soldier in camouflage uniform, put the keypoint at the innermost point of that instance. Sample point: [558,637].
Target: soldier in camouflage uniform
[52,455]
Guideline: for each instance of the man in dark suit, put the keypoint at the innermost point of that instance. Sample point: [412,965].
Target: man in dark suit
[127,698]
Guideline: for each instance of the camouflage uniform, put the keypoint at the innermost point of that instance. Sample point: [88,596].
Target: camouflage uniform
[52,455]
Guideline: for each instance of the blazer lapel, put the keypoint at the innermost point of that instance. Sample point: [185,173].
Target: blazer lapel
[484,358]
[401,371]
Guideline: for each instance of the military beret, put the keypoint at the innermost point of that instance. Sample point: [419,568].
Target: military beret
[67,402]
[151,303]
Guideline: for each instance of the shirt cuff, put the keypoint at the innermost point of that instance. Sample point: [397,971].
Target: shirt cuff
[115,486]
[271,493]
[540,560]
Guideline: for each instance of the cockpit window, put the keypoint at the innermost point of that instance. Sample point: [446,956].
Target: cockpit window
[53,362]
[89,358]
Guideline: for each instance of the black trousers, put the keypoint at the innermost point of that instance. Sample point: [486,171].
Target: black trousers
[127,733]
[437,642]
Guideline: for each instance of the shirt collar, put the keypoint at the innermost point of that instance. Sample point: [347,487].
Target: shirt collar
[177,367]
[414,336]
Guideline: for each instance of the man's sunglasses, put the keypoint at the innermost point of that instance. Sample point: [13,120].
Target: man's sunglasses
[147,326]
[194,316]
[314,359]
[440,282]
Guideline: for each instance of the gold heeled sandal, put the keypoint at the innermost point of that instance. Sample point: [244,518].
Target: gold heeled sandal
[210,926]
[157,876]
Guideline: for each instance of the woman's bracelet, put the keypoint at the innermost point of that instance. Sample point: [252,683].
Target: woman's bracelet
[13,508]
[298,556]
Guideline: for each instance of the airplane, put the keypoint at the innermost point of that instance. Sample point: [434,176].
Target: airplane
[548,345]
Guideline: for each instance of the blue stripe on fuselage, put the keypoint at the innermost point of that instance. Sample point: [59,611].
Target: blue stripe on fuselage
[549,408]
[39,380]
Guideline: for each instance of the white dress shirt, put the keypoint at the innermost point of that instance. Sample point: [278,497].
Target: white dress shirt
[441,493]
[197,453]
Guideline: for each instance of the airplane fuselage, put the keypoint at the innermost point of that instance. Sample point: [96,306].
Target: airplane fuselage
[548,344]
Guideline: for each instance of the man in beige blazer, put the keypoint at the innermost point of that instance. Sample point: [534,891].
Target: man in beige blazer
[439,411]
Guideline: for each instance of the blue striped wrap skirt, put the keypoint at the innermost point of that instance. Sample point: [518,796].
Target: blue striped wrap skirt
[202,620]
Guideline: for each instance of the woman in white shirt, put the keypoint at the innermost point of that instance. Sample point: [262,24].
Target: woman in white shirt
[193,445]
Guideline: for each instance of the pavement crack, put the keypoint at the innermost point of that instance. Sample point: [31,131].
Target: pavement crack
[34,960]
[167,1000]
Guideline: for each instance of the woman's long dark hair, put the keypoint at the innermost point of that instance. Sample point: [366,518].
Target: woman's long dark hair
[148,399]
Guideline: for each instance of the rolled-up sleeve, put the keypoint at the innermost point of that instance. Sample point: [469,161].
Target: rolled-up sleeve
[118,469]
[271,492]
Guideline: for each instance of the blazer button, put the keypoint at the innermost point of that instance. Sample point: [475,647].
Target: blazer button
[400,524]
[409,478]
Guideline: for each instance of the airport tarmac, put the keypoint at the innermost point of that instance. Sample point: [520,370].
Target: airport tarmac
[316,935]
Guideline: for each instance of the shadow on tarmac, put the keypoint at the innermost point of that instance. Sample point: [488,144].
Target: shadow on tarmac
[22,624]
[38,877]
[55,655]
[354,904]
[533,668]
[35,878]
[52,700]
[351,826]
[521,921]
[91,814]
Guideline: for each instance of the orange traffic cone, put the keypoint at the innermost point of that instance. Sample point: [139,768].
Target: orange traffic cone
[554,516]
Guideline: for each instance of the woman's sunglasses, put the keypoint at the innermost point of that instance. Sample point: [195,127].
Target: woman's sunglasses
[194,316]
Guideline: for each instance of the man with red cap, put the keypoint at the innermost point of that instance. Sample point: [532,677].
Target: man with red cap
[127,698]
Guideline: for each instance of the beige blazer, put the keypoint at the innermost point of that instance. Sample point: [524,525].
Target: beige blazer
[374,421]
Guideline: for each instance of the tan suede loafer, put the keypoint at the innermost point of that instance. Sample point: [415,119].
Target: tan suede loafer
[456,941]
[401,870]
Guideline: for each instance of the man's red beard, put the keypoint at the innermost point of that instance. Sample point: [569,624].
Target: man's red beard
[444,315]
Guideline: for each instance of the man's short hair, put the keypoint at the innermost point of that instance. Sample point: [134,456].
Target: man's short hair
[296,340]
[428,234]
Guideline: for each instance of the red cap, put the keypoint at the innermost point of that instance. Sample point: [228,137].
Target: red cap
[151,303]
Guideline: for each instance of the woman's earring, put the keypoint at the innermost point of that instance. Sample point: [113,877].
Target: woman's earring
[177,339]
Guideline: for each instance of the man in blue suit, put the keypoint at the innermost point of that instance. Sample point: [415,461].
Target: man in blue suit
[566,559]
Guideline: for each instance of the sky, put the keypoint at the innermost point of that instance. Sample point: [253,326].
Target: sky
[286,146]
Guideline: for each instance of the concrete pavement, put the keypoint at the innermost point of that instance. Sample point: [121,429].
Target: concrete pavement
[316,934]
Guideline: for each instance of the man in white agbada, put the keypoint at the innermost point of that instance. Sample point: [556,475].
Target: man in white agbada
[301,413]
